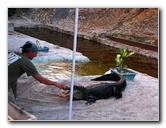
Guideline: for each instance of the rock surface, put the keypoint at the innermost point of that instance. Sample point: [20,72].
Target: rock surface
[136,24]
[140,102]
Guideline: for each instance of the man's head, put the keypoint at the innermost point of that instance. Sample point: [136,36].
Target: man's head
[30,49]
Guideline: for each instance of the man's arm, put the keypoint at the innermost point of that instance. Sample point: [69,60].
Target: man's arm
[46,81]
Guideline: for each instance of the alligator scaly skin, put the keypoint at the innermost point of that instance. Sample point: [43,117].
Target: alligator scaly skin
[103,90]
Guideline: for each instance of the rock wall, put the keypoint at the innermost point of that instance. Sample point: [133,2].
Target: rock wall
[137,24]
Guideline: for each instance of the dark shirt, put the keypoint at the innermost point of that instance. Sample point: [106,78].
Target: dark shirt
[20,66]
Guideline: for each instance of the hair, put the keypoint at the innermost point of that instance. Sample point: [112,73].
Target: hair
[29,46]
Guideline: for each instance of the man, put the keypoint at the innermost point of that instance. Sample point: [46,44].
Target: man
[19,64]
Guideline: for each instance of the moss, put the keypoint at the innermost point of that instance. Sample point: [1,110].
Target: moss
[131,37]
[127,10]
[115,33]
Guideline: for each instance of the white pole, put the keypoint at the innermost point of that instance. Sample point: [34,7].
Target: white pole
[73,64]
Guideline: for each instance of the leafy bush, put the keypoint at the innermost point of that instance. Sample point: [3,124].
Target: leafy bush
[120,58]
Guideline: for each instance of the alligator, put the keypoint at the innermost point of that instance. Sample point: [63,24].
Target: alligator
[101,90]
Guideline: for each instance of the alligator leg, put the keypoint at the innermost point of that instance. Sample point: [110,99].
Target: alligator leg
[117,93]
[90,99]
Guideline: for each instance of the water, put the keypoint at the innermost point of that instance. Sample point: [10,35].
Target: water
[102,57]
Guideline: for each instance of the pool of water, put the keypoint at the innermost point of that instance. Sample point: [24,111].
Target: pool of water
[102,57]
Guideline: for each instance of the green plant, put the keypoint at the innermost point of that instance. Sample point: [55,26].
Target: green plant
[38,44]
[131,37]
[127,10]
[120,58]
[115,33]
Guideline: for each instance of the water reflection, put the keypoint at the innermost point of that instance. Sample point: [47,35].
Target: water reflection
[101,56]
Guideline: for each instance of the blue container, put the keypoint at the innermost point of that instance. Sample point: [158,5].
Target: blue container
[44,49]
[127,74]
